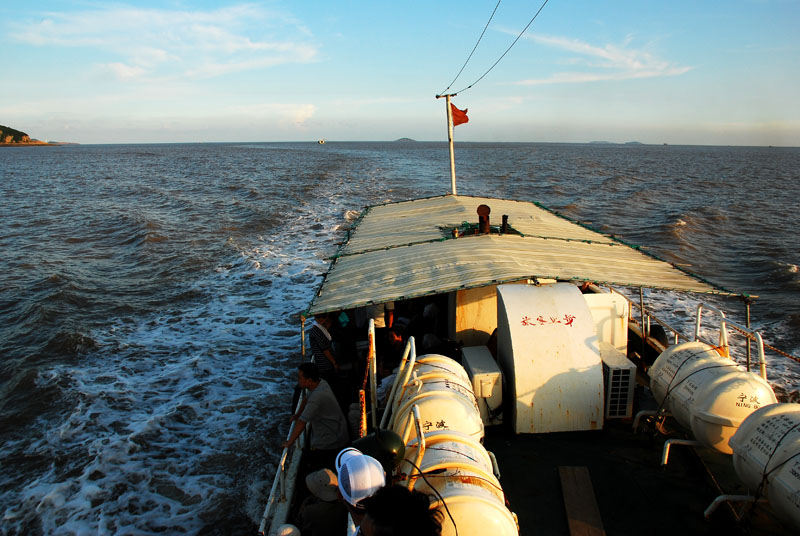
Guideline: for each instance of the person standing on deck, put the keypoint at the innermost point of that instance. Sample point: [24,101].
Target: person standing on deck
[327,359]
[328,426]
[322,346]
[382,314]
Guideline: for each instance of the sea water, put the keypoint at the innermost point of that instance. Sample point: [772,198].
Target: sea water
[150,296]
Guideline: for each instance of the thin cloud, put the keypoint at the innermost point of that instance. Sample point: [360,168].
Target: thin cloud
[598,63]
[152,44]
[294,114]
[123,71]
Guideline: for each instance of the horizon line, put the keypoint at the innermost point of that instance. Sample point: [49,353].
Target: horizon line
[53,143]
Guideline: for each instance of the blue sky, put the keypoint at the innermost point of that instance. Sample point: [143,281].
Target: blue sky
[678,72]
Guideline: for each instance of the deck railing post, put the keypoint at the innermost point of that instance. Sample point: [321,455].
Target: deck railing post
[747,320]
[724,348]
[303,337]
[644,334]
[373,380]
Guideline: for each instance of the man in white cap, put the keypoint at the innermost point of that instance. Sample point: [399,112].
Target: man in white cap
[360,476]
[345,455]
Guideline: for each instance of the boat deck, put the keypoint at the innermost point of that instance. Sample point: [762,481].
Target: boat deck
[633,493]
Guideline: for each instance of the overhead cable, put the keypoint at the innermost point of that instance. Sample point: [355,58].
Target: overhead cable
[473,49]
[509,48]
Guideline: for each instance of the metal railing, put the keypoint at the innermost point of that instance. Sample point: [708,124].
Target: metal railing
[723,337]
[404,372]
[646,317]
[278,493]
[415,420]
[724,346]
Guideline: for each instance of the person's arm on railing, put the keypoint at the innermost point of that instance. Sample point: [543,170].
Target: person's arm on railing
[300,409]
[299,426]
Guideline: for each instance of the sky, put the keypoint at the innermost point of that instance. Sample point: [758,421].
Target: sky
[677,72]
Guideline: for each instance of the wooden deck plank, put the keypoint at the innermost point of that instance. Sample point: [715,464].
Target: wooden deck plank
[583,515]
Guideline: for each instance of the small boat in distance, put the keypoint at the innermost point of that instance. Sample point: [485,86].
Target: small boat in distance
[321,141]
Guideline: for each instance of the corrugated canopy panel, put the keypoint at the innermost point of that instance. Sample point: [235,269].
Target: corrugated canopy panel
[415,221]
[400,251]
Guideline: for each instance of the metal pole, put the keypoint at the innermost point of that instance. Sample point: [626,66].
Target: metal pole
[370,351]
[303,337]
[362,420]
[450,143]
[747,311]
[644,335]
[373,387]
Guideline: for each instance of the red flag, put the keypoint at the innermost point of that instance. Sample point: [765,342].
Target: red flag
[459,116]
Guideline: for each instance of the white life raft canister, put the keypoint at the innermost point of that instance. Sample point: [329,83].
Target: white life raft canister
[766,449]
[460,470]
[443,393]
[707,393]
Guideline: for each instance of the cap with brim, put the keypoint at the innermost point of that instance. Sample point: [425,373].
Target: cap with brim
[345,455]
[288,530]
[322,484]
[360,477]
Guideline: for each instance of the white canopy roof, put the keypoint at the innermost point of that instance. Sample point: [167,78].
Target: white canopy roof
[406,249]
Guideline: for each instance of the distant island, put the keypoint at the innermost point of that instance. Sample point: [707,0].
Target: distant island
[10,137]
[405,140]
[615,143]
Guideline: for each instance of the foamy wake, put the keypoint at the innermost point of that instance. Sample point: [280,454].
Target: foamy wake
[159,421]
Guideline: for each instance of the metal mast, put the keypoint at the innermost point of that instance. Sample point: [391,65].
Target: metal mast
[450,141]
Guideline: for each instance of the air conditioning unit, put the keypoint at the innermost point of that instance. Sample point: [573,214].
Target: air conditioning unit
[619,376]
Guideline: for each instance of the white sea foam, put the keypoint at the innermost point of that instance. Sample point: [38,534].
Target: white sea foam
[161,418]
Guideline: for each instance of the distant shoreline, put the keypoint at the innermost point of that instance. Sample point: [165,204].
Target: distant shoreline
[37,144]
